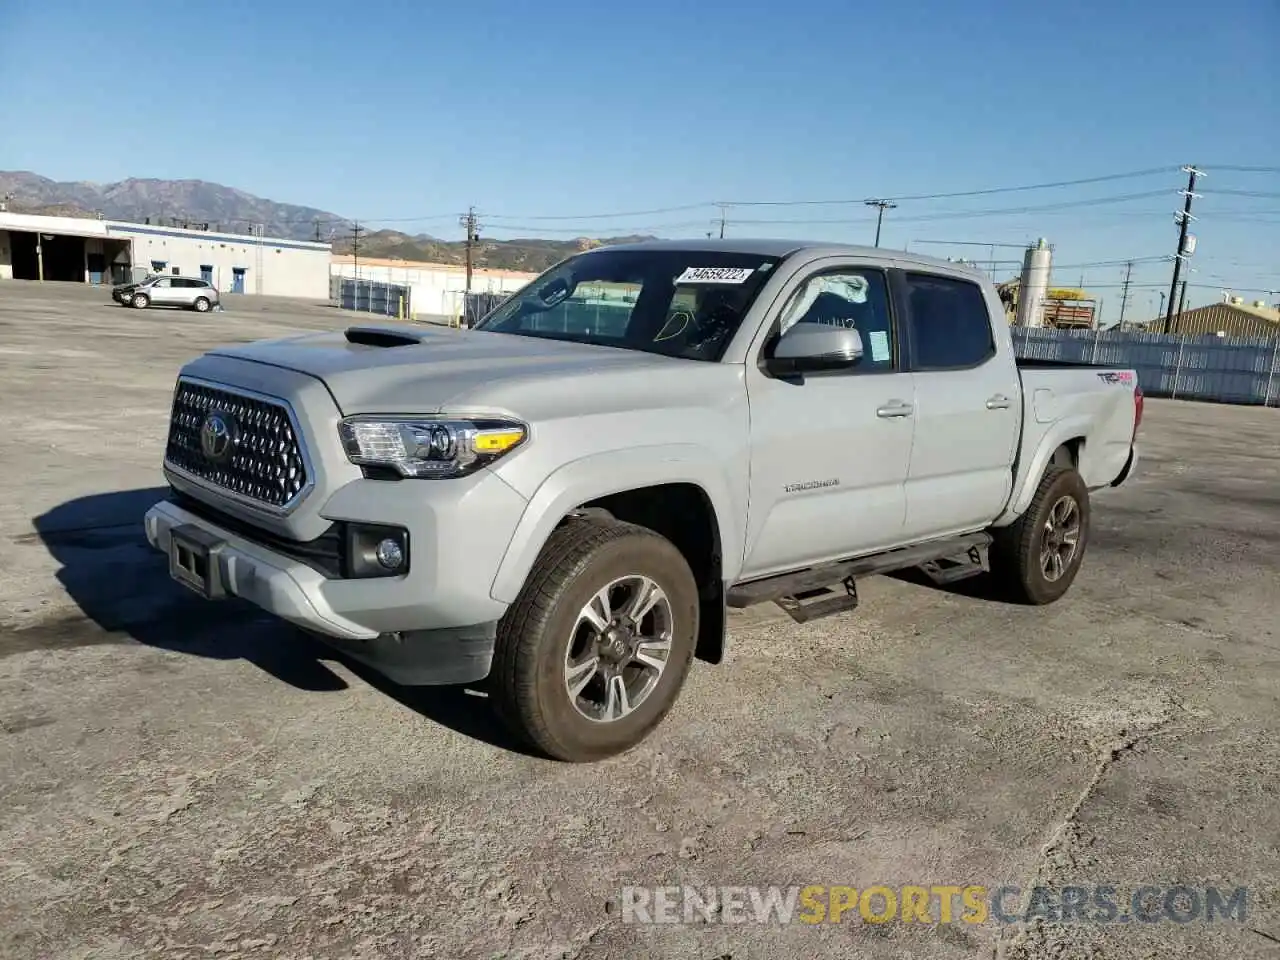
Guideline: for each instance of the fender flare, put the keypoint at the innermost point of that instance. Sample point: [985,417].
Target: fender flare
[616,471]
[1026,482]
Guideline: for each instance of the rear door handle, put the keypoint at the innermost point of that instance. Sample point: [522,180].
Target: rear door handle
[998,402]
[895,408]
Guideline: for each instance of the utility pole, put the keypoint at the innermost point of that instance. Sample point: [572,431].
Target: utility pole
[1161,310]
[1124,297]
[1184,219]
[883,205]
[722,213]
[356,230]
[317,230]
[468,222]
[1182,304]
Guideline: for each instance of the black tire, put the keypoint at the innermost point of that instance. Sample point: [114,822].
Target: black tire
[1018,553]
[528,679]
[140,301]
[201,305]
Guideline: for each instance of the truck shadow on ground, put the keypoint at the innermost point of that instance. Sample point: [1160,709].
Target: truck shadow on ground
[979,587]
[123,590]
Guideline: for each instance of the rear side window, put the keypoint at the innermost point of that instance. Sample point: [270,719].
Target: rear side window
[950,324]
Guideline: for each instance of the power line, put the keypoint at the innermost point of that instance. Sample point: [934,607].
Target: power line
[988,212]
[615,229]
[1157,285]
[1131,174]
[606,216]
[958,194]
[1110,263]
[1269,194]
[1238,169]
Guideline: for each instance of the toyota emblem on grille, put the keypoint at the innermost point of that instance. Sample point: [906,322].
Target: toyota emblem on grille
[217,436]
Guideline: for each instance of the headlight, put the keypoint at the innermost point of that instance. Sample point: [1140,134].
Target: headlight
[429,447]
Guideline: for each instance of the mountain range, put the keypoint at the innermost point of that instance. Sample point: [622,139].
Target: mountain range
[197,203]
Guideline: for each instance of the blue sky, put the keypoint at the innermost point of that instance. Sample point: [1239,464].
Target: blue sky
[382,110]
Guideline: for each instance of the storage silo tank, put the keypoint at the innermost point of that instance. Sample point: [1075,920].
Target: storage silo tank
[1036,266]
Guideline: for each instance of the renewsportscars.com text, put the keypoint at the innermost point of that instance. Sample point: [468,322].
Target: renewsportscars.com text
[933,904]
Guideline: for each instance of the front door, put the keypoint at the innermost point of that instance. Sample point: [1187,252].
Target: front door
[161,291]
[968,407]
[206,273]
[830,451]
[237,279]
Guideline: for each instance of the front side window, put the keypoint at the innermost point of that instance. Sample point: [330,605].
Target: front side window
[950,323]
[858,299]
[679,303]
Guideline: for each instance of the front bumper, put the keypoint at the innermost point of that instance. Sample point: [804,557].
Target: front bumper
[436,624]
[280,585]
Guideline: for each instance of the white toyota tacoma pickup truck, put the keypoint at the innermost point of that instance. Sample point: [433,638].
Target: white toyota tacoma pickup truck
[565,499]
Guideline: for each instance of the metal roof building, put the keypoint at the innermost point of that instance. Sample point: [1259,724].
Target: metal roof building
[1232,319]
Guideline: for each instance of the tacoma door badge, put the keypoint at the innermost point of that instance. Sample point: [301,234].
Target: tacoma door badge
[810,485]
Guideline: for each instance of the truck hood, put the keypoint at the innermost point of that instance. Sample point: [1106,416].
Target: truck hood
[396,368]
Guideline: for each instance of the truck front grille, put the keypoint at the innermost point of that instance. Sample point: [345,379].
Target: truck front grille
[246,445]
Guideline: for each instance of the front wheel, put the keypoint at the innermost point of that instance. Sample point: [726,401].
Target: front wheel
[594,651]
[140,301]
[1036,558]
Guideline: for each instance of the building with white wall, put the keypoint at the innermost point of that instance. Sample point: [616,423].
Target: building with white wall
[72,249]
[436,289]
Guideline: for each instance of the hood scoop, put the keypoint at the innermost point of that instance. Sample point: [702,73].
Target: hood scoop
[384,337]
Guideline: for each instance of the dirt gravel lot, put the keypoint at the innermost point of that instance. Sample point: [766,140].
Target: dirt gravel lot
[180,779]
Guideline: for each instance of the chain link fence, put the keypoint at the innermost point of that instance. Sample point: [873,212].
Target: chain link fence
[368,296]
[1221,369]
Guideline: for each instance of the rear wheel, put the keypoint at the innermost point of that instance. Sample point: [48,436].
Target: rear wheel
[1036,559]
[594,651]
[141,301]
[201,305]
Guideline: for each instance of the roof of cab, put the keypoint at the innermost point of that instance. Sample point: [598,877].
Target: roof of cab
[783,248]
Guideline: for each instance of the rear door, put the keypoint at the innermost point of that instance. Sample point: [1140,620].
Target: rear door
[968,406]
[186,290]
[829,451]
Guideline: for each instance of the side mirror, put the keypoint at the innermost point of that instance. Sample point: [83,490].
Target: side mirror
[810,347]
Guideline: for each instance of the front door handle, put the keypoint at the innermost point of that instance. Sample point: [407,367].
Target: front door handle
[999,402]
[895,408]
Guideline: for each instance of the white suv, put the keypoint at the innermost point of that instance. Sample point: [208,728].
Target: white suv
[187,292]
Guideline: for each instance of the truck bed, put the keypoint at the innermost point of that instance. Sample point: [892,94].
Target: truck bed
[1062,400]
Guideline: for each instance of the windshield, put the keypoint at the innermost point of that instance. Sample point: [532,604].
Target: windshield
[679,303]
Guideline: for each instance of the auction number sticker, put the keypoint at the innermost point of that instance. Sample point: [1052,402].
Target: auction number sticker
[715,275]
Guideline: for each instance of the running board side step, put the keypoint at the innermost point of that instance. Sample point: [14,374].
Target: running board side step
[831,588]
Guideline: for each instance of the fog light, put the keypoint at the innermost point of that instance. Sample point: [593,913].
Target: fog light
[389,553]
